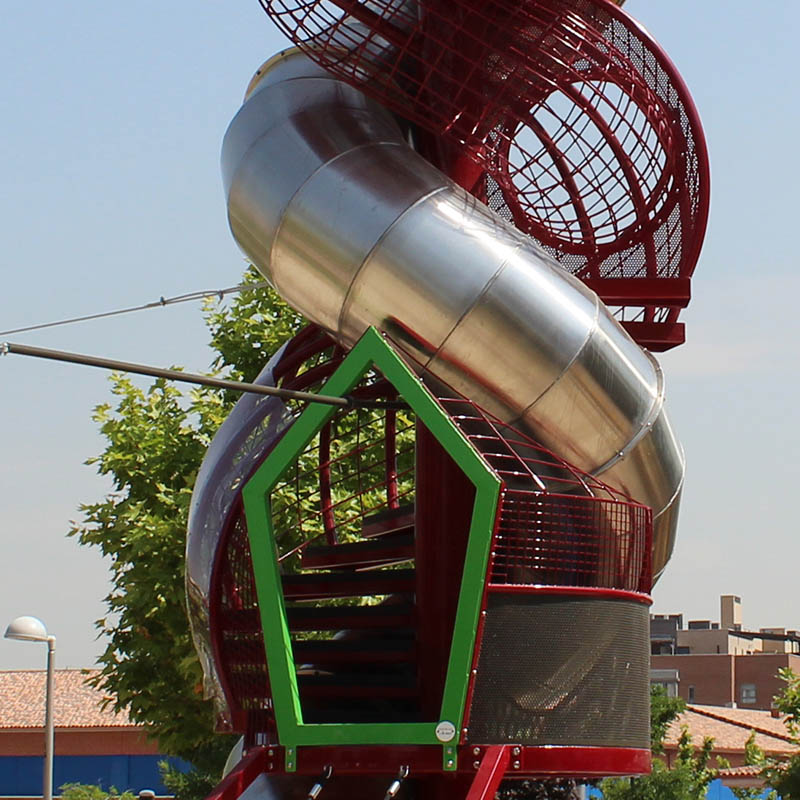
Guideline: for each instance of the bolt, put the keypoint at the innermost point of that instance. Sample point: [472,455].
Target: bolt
[270,752]
[476,764]
[449,762]
[270,766]
[516,765]
[476,751]
[516,751]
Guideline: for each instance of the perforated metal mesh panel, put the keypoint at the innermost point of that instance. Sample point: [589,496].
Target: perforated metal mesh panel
[560,540]
[240,640]
[562,671]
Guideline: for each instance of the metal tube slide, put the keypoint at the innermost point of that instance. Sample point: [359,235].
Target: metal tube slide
[353,228]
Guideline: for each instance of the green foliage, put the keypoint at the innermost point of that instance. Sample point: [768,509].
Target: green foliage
[783,775]
[682,782]
[537,790]
[192,785]
[663,710]
[156,439]
[246,335]
[690,775]
[83,791]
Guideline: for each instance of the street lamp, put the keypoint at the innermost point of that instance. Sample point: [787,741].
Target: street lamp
[31,629]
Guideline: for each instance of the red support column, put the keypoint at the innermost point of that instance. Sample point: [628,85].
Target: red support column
[491,771]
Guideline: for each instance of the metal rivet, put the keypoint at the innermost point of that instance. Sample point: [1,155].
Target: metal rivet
[270,753]
[271,766]
[449,762]
[476,764]
[476,751]
[516,751]
[516,765]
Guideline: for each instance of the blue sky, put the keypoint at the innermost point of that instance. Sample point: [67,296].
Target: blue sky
[112,119]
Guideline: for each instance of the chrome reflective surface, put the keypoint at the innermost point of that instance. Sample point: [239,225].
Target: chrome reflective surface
[355,229]
[255,423]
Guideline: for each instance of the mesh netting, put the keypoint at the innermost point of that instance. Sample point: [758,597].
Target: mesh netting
[584,135]
[578,675]
[558,525]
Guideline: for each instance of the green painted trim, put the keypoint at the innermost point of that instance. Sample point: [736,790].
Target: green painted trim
[473,578]
[449,758]
[278,644]
[370,350]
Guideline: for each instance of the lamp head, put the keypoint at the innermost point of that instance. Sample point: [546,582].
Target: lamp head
[27,629]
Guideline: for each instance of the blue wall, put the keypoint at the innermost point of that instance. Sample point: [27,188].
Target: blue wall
[716,791]
[22,775]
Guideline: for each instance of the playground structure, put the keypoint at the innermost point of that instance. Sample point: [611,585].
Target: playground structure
[486,210]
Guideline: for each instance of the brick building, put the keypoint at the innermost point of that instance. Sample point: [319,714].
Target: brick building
[720,663]
[749,681]
[92,745]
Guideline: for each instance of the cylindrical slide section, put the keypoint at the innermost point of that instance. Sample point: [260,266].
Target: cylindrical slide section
[354,228]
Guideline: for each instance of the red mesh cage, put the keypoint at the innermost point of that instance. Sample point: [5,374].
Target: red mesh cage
[357,470]
[582,132]
[347,536]
[558,526]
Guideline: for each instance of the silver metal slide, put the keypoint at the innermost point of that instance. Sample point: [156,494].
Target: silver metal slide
[354,228]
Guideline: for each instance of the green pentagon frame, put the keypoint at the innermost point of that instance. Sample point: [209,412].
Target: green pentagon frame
[371,350]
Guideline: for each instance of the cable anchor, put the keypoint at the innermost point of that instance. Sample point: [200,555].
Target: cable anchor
[317,788]
[395,785]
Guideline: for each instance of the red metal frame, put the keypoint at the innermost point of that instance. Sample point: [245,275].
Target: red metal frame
[243,774]
[566,118]
[492,768]
[424,760]
[572,591]
[442,515]
[445,498]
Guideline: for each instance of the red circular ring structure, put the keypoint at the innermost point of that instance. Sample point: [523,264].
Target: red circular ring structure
[579,128]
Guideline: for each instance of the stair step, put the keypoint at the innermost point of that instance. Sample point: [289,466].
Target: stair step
[399,710]
[356,684]
[321,586]
[390,520]
[357,649]
[393,616]
[389,549]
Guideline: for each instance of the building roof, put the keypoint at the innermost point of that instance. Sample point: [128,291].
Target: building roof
[730,729]
[76,704]
[745,771]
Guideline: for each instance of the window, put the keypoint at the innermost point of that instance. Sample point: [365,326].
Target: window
[748,693]
[691,694]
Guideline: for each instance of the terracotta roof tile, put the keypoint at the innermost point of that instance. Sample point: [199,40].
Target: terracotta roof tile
[730,729]
[746,771]
[76,705]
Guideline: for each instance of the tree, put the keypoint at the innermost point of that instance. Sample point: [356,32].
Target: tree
[783,775]
[157,438]
[82,791]
[689,777]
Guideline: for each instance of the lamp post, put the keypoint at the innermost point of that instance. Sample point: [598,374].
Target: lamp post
[31,629]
